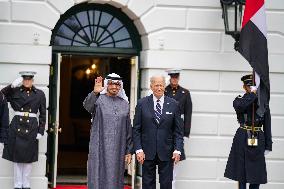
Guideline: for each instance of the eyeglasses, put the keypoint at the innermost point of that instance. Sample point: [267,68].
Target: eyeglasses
[117,83]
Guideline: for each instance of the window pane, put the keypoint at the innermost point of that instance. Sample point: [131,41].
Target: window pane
[107,40]
[108,45]
[124,44]
[105,19]
[83,36]
[73,24]
[65,31]
[78,44]
[83,18]
[91,17]
[121,34]
[100,30]
[115,24]
[103,37]
[97,15]
[62,41]
[79,39]
[88,31]
[94,32]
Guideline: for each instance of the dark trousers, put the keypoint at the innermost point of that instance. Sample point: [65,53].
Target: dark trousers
[251,186]
[165,170]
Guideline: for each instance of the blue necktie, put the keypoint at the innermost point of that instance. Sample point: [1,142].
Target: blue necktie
[158,111]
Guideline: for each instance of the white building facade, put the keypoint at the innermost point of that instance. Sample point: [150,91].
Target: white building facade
[188,34]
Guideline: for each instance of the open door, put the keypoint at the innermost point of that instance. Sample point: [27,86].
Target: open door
[67,155]
[53,119]
[133,102]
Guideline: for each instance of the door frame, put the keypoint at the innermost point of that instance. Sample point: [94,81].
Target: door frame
[53,111]
[53,119]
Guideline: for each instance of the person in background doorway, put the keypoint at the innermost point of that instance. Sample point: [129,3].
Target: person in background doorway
[111,133]
[182,95]
[246,162]
[25,130]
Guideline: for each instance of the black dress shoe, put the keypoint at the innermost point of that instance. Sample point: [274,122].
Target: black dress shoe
[26,188]
[17,188]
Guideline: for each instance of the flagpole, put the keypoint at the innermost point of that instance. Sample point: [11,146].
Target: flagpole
[253,106]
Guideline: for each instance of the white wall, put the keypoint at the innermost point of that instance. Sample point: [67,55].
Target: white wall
[181,33]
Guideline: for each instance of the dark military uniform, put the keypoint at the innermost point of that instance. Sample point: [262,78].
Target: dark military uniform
[183,97]
[22,145]
[4,118]
[246,164]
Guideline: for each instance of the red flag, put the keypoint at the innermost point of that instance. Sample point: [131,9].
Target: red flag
[253,47]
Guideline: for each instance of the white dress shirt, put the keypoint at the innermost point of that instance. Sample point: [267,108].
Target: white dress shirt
[162,99]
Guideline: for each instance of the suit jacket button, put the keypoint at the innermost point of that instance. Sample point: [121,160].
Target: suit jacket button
[28,121]
[22,109]
[30,110]
[19,130]
[27,131]
[21,119]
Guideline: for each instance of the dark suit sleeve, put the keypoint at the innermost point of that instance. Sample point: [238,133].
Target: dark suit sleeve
[178,130]
[241,104]
[4,119]
[137,127]
[267,130]
[42,114]
[129,141]
[187,115]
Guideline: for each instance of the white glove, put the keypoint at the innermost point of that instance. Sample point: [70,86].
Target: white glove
[38,136]
[266,152]
[253,88]
[17,82]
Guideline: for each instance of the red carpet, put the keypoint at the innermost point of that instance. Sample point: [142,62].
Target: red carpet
[79,187]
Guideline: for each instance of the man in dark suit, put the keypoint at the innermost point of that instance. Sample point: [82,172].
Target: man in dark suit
[157,135]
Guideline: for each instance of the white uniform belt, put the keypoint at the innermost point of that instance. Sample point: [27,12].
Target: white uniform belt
[25,114]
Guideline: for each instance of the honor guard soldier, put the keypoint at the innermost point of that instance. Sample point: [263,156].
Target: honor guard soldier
[182,95]
[252,141]
[26,128]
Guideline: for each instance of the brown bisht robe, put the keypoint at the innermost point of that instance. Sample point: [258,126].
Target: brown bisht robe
[111,140]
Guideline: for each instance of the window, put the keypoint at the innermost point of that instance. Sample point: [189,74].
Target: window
[95,26]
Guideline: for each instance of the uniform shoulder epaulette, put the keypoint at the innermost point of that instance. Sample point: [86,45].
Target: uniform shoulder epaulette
[184,90]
